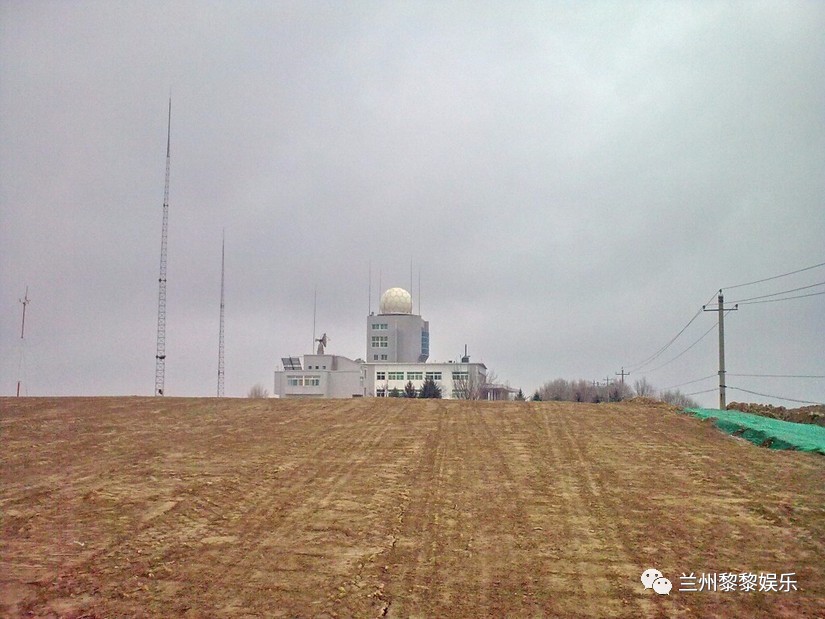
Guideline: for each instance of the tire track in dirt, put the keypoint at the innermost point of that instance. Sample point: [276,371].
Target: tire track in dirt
[506,453]
[268,530]
[400,562]
[253,495]
[713,483]
[606,566]
[465,535]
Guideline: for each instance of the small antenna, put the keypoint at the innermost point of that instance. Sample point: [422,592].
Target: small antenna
[419,290]
[314,312]
[25,301]
[220,330]
[369,291]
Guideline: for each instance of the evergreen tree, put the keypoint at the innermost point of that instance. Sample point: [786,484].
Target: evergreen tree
[409,390]
[395,393]
[520,395]
[536,396]
[430,389]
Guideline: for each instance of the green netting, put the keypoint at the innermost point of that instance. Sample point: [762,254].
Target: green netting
[765,431]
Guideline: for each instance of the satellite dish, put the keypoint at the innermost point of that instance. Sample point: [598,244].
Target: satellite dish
[322,342]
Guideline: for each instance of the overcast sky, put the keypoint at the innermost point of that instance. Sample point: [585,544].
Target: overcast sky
[572,180]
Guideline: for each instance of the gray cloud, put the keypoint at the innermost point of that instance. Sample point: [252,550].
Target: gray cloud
[573,182]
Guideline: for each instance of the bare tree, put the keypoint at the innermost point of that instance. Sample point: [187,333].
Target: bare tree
[469,385]
[677,398]
[619,392]
[258,391]
[643,388]
[585,391]
[581,390]
[557,390]
[491,378]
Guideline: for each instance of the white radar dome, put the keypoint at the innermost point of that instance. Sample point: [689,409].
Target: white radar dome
[395,301]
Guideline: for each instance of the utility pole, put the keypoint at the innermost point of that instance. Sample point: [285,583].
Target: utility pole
[722,402]
[220,333]
[25,301]
[721,310]
[160,355]
[622,374]
[607,389]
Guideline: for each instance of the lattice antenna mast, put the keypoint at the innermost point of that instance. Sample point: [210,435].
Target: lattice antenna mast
[220,331]
[25,301]
[160,356]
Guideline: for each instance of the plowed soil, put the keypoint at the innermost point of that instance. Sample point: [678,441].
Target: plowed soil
[149,507]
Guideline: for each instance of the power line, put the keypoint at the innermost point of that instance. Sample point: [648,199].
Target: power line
[767,279]
[690,382]
[799,296]
[775,397]
[776,294]
[700,392]
[658,353]
[777,375]
[703,336]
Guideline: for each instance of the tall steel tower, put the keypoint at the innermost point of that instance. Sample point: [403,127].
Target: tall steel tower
[220,332]
[25,301]
[160,356]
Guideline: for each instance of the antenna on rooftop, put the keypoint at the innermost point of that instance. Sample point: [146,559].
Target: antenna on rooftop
[412,290]
[220,331]
[160,355]
[314,313]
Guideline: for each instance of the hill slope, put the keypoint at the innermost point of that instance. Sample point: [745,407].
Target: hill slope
[145,507]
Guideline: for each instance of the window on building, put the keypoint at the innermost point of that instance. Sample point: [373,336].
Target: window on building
[380,341]
[415,375]
[395,375]
[434,375]
[379,326]
[375,357]
[380,376]
[383,357]
[425,343]
[460,376]
[303,381]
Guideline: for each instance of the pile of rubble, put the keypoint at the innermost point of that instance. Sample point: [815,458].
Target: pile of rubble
[807,414]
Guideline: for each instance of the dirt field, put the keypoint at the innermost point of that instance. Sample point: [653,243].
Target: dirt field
[141,507]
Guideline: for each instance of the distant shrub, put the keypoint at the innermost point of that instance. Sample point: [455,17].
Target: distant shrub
[258,391]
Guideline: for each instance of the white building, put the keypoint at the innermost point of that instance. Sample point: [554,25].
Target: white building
[397,335]
[398,346]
